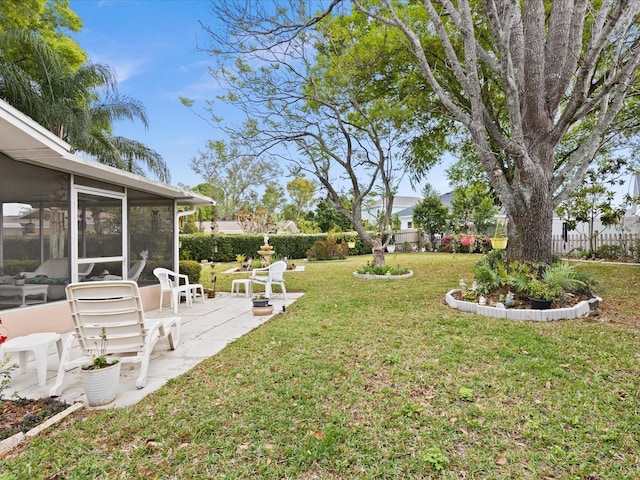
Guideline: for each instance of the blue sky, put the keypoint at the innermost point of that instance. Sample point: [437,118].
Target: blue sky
[155,48]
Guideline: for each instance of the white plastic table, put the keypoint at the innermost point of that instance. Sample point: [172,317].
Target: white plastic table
[39,344]
[245,282]
[23,291]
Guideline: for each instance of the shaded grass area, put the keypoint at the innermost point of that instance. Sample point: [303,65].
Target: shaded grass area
[379,379]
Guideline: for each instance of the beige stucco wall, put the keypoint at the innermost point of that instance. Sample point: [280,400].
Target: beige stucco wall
[55,316]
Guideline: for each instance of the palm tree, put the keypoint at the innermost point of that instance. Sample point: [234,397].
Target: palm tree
[37,81]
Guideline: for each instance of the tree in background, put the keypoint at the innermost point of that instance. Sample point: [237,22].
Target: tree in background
[273,199]
[473,209]
[431,215]
[316,96]
[78,105]
[255,221]
[328,218]
[234,177]
[302,194]
[519,77]
[51,20]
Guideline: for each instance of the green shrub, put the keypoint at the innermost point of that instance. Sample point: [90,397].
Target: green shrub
[191,269]
[609,251]
[383,270]
[328,249]
[224,248]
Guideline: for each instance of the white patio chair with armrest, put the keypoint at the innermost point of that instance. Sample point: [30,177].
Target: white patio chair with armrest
[133,274]
[177,285]
[112,309]
[274,276]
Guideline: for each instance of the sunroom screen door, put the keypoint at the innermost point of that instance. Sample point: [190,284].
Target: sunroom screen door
[99,232]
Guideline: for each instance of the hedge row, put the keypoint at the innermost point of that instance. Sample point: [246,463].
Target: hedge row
[224,248]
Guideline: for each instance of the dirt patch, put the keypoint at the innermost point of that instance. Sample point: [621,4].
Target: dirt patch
[21,415]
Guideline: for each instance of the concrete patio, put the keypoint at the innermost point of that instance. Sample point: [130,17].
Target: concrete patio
[206,329]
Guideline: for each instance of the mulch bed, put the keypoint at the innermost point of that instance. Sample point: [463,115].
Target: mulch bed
[23,414]
[523,302]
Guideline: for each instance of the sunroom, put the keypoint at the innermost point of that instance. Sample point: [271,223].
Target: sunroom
[67,219]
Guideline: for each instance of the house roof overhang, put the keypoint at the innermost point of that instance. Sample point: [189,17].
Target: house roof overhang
[24,140]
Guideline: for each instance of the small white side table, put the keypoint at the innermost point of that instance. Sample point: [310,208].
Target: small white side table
[235,286]
[39,344]
[23,291]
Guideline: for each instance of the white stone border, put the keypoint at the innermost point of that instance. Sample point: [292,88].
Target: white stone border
[12,442]
[580,310]
[368,276]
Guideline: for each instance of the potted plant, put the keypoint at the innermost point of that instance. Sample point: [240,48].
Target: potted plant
[544,284]
[351,241]
[259,300]
[261,305]
[20,279]
[542,294]
[101,376]
[500,239]
[467,239]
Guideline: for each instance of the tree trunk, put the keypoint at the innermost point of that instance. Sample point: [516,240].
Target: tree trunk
[378,253]
[530,211]
[530,235]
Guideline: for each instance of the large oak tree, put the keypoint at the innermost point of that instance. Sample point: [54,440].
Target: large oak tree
[516,76]
[519,76]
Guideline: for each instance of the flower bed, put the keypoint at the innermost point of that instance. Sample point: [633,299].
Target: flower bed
[582,309]
[369,276]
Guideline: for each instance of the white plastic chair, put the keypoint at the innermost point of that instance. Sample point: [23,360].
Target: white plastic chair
[177,285]
[133,274]
[275,275]
[112,309]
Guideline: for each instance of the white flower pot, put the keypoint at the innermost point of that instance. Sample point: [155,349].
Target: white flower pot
[101,385]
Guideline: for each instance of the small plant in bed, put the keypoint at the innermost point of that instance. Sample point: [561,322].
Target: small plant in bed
[382,270]
[559,283]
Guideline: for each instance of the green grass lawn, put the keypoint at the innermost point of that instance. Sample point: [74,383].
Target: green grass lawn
[380,379]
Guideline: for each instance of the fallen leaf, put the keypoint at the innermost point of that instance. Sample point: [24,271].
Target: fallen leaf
[453,419]
[501,460]
[548,385]
[319,434]
[239,376]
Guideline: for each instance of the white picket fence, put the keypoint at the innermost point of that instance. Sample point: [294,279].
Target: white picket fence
[577,242]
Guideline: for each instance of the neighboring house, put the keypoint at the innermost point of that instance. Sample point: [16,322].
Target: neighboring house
[400,203]
[83,216]
[406,218]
